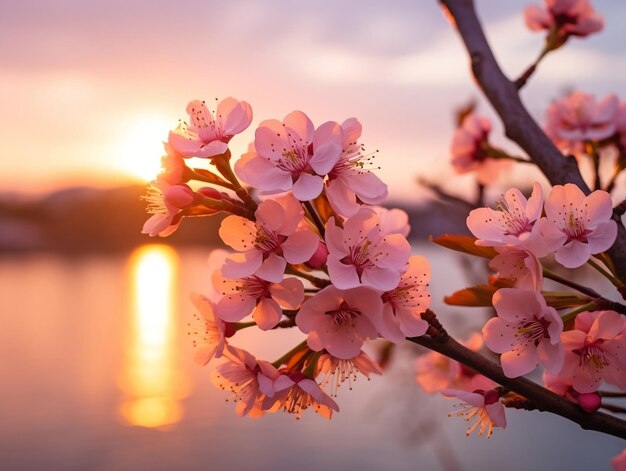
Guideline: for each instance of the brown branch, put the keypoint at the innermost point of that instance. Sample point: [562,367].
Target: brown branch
[540,398]
[519,126]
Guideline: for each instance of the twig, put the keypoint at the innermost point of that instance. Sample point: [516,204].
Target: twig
[444,195]
[518,124]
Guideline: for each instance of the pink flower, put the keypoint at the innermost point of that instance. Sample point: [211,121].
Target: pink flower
[436,372]
[618,463]
[336,371]
[512,223]
[404,304]
[339,321]
[469,150]
[250,380]
[361,254]
[481,409]
[518,265]
[208,135]
[595,351]
[349,178]
[296,393]
[174,168]
[267,245]
[393,221]
[291,155]
[526,332]
[212,331]
[577,118]
[578,225]
[252,294]
[165,202]
[568,17]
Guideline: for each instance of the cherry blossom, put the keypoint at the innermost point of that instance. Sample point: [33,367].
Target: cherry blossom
[512,223]
[595,351]
[393,221]
[349,178]
[578,225]
[563,387]
[566,17]
[291,155]
[618,463]
[207,135]
[436,372]
[335,371]
[339,321]
[165,202]
[481,409]
[404,304]
[518,265]
[361,254]
[250,380]
[295,393]
[469,150]
[526,332]
[577,118]
[267,245]
[173,166]
[212,331]
[253,295]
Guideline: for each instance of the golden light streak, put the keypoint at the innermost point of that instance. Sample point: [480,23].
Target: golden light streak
[151,381]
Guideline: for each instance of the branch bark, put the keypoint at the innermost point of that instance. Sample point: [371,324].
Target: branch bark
[519,126]
[541,398]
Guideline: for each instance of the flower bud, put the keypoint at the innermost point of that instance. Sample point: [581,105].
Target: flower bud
[210,192]
[589,401]
[318,259]
[179,196]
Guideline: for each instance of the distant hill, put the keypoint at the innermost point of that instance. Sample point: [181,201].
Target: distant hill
[86,220]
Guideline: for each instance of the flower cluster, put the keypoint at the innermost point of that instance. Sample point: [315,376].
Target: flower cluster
[562,19]
[314,254]
[311,250]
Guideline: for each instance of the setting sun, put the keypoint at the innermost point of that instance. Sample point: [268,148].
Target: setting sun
[138,153]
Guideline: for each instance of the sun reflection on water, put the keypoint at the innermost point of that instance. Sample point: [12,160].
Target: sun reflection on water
[151,381]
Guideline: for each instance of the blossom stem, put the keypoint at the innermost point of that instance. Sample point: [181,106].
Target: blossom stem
[570,316]
[315,281]
[206,176]
[243,325]
[222,163]
[444,195]
[315,217]
[500,154]
[611,278]
[285,358]
[564,281]
[521,81]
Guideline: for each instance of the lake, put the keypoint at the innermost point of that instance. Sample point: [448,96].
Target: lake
[97,374]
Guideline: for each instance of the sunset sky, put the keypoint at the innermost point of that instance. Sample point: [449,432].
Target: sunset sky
[89,89]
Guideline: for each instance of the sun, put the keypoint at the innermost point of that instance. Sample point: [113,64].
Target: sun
[140,147]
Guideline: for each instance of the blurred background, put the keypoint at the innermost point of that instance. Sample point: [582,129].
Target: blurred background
[95,359]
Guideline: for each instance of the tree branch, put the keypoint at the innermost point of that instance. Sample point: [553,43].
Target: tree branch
[541,398]
[518,124]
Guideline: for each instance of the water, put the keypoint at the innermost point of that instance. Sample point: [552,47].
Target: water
[97,375]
